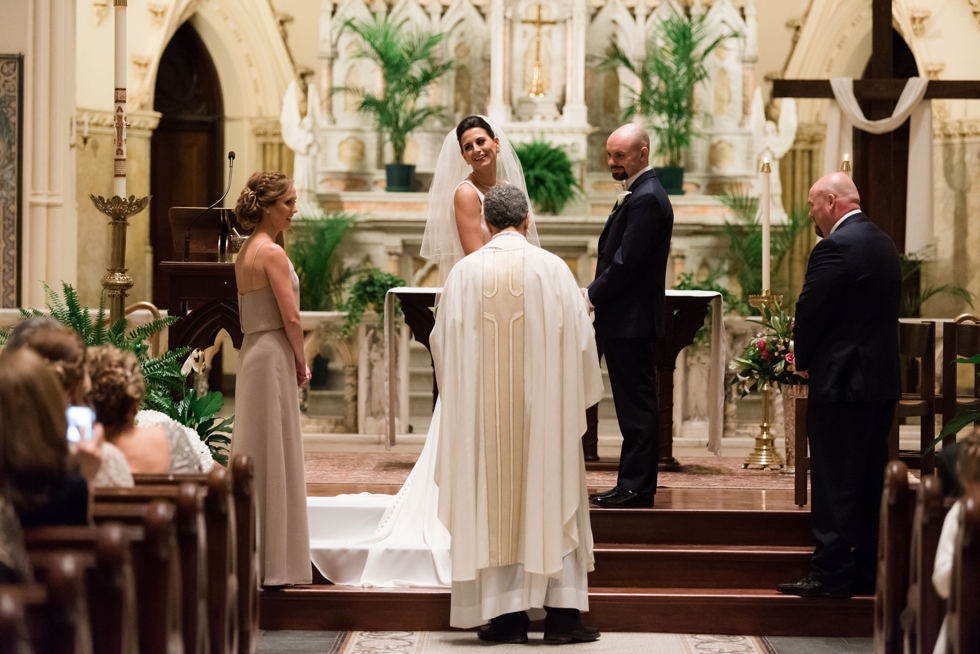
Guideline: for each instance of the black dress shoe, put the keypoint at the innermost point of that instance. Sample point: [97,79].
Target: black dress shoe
[563,626]
[810,587]
[625,499]
[611,491]
[508,628]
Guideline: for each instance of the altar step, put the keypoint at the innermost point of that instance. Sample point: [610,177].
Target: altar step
[680,526]
[663,610]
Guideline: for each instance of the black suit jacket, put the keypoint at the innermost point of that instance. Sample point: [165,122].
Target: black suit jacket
[628,291]
[846,332]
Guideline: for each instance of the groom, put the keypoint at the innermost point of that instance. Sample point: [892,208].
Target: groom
[628,298]
[515,358]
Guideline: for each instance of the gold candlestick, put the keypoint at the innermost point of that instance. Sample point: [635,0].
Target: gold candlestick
[116,282]
[765,454]
[537,84]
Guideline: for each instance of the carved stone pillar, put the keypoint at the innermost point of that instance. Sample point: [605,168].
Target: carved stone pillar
[575,111]
[328,54]
[750,57]
[394,253]
[498,109]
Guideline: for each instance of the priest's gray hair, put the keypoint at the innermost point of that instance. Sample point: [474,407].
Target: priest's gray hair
[505,206]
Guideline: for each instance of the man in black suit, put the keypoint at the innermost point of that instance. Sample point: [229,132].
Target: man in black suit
[846,344]
[628,298]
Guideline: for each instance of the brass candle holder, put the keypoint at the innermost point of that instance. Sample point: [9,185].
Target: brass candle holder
[116,282]
[765,454]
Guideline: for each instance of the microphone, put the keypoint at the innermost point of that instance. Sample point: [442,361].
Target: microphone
[187,232]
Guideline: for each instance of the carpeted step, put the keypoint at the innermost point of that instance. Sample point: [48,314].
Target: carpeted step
[665,610]
[679,526]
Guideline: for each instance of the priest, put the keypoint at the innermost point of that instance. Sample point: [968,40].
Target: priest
[517,367]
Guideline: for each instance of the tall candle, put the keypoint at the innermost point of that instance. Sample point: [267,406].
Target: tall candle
[766,171]
[119,98]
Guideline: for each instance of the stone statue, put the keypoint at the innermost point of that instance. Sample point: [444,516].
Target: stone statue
[770,140]
[299,123]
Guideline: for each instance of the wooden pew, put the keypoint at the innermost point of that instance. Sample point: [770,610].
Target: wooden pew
[125,504]
[222,581]
[59,623]
[924,609]
[111,589]
[156,566]
[894,537]
[242,470]
[14,637]
[963,608]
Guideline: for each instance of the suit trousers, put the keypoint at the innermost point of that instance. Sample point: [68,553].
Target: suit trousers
[631,363]
[848,455]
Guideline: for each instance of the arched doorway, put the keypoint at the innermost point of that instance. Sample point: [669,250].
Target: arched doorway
[186,148]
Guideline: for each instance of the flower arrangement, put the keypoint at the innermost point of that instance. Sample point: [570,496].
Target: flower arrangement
[769,357]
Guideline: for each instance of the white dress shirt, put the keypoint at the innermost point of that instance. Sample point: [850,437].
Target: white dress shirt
[842,219]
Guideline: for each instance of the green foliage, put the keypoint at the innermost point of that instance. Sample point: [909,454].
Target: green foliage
[913,295]
[551,183]
[744,257]
[409,65]
[200,414]
[689,281]
[312,244]
[369,290]
[769,357]
[669,74]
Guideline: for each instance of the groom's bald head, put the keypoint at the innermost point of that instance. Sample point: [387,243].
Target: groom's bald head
[628,151]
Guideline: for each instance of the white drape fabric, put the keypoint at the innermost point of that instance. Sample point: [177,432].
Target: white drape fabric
[845,113]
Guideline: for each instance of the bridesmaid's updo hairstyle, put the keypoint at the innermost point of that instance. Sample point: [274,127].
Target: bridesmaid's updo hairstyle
[261,192]
[471,122]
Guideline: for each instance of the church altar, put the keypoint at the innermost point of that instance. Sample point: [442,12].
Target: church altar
[686,312]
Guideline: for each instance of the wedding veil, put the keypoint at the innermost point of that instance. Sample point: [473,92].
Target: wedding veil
[440,243]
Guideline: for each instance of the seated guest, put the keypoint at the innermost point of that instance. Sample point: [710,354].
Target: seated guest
[116,392]
[968,471]
[64,352]
[37,472]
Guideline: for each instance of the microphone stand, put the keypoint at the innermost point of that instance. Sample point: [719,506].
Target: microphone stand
[187,232]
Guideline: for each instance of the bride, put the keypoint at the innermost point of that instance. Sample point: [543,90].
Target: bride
[384,540]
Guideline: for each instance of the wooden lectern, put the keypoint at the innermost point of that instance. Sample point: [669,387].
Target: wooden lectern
[204,294]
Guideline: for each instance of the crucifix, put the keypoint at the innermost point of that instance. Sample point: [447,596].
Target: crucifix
[879,171]
[537,85]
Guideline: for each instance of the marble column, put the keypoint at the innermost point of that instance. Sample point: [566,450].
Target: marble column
[575,111]
[750,58]
[498,109]
[50,226]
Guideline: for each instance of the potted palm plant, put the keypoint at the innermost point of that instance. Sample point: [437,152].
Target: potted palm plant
[408,64]
[668,74]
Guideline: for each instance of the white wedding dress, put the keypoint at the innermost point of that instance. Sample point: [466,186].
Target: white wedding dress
[382,540]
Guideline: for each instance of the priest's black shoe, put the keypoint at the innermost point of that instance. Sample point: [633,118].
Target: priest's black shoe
[508,628]
[810,587]
[611,491]
[564,626]
[625,499]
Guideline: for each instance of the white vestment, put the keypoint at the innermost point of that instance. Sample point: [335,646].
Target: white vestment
[515,358]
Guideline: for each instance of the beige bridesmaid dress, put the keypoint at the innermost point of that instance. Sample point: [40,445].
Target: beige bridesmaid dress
[267,428]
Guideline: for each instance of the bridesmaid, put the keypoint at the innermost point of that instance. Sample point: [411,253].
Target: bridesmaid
[271,367]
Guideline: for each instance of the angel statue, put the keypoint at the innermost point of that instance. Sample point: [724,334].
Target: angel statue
[300,129]
[772,141]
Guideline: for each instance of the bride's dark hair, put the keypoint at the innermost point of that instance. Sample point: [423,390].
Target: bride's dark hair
[472,122]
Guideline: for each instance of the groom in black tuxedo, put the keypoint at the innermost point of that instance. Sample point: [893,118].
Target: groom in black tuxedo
[628,298]
[846,344]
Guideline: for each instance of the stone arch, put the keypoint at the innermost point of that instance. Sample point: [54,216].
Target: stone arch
[465,28]
[347,45]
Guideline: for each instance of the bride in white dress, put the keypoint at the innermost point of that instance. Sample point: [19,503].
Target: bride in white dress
[388,541]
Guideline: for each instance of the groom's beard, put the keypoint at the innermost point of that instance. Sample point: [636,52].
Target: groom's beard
[619,174]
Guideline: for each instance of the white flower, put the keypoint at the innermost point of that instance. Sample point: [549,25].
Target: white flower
[194,362]
[622,196]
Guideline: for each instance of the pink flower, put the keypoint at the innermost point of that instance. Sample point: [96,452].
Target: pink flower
[765,354]
[761,345]
[791,358]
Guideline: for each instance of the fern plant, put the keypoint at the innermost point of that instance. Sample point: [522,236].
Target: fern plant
[369,290]
[312,245]
[551,183]
[409,66]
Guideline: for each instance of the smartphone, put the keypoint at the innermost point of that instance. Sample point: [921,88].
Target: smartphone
[80,423]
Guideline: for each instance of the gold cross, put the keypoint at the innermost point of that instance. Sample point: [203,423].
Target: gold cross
[537,85]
